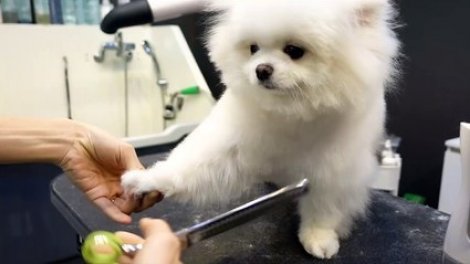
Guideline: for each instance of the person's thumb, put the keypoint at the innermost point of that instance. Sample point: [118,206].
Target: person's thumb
[161,244]
[154,226]
[129,158]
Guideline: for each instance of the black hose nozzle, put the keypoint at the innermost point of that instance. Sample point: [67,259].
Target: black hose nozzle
[131,14]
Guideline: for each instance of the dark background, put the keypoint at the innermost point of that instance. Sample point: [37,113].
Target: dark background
[434,92]
[433,97]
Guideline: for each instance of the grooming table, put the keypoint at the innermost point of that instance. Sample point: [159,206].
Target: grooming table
[395,231]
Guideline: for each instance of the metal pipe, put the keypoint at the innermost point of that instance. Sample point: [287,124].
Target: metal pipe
[67,87]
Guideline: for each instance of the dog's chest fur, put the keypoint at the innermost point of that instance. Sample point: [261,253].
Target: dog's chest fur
[268,145]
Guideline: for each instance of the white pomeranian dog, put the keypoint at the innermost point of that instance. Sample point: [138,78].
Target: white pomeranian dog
[305,99]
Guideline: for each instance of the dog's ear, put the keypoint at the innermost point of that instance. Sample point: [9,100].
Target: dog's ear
[369,13]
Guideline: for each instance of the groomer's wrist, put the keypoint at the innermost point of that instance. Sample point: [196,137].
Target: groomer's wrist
[75,134]
[38,139]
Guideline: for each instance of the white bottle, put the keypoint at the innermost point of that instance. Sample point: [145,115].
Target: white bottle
[106,6]
[457,242]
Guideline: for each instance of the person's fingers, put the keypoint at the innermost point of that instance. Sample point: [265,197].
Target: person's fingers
[148,200]
[128,238]
[127,204]
[161,244]
[112,211]
[129,158]
[153,226]
[161,248]
[123,259]
[151,198]
[130,204]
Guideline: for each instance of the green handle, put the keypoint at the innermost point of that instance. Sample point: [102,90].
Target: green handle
[414,198]
[104,240]
[191,90]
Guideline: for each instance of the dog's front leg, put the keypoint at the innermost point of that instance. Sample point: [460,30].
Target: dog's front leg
[327,214]
[199,178]
[317,228]
[204,167]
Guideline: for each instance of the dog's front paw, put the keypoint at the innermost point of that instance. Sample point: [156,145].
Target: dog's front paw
[321,243]
[139,182]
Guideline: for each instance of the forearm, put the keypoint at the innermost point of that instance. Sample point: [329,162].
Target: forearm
[37,140]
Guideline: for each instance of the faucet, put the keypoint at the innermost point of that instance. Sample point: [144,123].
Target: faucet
[172,103]
[162,82]
[122,49]
[172,107]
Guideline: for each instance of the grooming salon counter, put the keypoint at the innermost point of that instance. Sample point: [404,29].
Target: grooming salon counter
[395,230]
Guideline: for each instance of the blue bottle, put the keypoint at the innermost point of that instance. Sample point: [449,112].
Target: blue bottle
[55,11]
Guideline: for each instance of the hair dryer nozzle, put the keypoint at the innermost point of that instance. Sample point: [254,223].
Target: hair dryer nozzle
[148,11]
[131,14]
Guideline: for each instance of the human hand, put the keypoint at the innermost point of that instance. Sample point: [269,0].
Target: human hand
[160,245]
[95,162]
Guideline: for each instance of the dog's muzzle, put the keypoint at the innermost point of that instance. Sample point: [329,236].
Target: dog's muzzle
[264,71]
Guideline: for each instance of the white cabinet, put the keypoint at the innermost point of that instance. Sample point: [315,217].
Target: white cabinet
[451,176]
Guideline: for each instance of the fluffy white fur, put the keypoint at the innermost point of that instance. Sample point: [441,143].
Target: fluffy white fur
[320,119]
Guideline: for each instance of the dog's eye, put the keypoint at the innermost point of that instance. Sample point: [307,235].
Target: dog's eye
[253,48]
[294,52]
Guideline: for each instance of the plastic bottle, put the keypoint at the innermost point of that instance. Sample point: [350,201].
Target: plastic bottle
[457,241]
[41,11]
[79,6]
[68,12]
[1,17]
[389,157]
[92,12]
[10,14]
[24,11]
[55,11]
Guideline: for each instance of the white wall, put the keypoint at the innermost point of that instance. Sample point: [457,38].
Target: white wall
[32,76]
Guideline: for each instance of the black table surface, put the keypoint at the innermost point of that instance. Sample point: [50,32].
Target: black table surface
[394,231]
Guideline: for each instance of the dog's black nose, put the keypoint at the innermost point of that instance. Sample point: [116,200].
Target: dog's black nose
[264,71]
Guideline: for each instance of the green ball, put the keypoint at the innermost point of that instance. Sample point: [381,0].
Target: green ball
[93,248]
